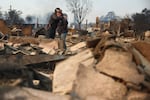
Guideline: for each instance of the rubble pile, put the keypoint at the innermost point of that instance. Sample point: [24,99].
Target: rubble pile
[24,62]
[113,71]
[92,68]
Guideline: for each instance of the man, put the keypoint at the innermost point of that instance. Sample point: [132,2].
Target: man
[62,29]
[53,22]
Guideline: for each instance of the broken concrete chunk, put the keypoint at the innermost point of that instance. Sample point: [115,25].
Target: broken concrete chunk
[90,82]
[119,64]
[65,72]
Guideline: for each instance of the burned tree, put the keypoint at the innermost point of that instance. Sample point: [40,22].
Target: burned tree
[141,21]
[80,9]
[13,17]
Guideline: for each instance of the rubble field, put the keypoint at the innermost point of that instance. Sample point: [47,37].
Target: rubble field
[103,67]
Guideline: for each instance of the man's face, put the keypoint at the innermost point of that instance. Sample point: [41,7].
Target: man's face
[58,14]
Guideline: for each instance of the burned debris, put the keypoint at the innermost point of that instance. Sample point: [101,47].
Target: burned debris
[109,62]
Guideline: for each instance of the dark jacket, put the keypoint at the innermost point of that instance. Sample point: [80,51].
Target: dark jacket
[62,26]
[54,20]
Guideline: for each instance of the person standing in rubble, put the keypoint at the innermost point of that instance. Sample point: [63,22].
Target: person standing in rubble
[53,22]
[62,29]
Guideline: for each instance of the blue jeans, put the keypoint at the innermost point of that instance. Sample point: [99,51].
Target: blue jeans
[63,37]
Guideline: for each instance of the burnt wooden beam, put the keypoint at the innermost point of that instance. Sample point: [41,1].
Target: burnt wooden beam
[22,60]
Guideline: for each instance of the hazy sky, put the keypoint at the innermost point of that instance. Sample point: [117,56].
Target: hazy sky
[40,8]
